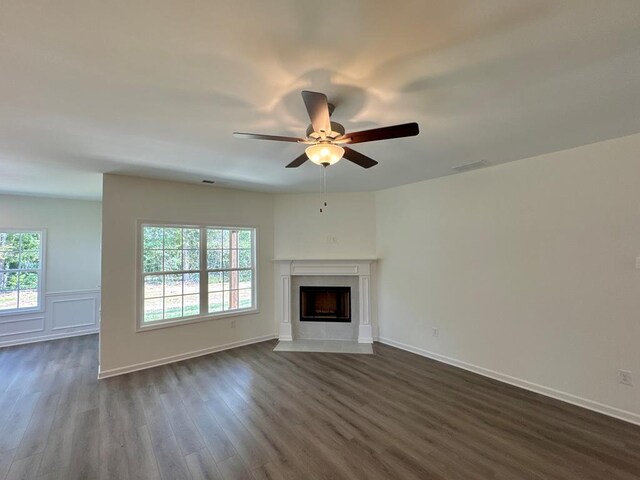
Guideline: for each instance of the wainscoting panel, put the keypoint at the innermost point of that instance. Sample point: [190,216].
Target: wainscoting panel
[66,314]
[73,312]
[22,326]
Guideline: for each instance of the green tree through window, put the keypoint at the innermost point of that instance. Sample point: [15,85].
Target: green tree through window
[195,271]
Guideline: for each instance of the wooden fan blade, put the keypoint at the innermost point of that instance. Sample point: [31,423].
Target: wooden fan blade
[358,158]
[318,109]
[298,161]
[258,136]
[384,133]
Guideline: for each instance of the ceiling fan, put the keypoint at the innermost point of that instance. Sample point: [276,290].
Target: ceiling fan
[328,141]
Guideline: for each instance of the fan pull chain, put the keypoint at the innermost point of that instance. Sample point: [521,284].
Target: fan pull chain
[324,185]
[323,188]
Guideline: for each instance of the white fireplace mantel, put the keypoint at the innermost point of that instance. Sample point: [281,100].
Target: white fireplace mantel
[287,268]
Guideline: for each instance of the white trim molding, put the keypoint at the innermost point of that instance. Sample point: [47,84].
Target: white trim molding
[285,309]
[288,268]
[66,293]
[182,356]
[518,382]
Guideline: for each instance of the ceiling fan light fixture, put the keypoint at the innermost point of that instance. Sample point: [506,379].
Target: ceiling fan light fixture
[324,153]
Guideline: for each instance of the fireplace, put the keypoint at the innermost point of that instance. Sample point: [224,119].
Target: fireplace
[325,304]
[293,274]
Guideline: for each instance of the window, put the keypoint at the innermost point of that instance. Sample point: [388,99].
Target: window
[21,272]
[194,272]
[229,269]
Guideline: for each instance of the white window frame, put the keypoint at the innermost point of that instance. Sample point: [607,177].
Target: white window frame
[141,326]
[41,272]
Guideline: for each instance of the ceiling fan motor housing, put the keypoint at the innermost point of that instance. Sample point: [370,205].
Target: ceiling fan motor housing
[337,130]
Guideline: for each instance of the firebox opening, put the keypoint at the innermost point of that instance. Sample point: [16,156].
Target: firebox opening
[325,304]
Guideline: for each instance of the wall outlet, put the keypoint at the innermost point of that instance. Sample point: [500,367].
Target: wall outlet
[436,332]
[331,240]
[233,324]
[624,377]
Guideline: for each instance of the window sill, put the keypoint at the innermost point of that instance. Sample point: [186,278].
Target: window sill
[203,318]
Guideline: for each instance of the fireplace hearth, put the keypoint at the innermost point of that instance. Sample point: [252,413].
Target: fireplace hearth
[325,304]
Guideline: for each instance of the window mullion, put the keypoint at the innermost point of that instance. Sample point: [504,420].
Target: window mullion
[170,272]
[18,271]
[204,277]
[18,287]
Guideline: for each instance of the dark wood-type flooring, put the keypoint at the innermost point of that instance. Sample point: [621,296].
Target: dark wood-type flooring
[252,413]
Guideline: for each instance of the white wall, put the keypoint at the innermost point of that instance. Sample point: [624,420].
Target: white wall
[72,270]
[527,269]
[346,229]
[128,199]
[302,232]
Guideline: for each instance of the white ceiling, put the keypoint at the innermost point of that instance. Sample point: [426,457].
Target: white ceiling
[157,88]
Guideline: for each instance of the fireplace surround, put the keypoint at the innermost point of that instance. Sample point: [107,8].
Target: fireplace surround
[360,272]
[319,329]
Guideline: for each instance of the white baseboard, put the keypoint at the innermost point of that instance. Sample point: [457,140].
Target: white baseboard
[45,338]
[517,382]
[182,356]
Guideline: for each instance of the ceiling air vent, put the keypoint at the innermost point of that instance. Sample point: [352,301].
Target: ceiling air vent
[470,166]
